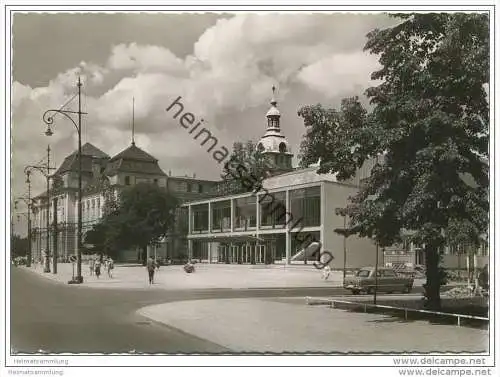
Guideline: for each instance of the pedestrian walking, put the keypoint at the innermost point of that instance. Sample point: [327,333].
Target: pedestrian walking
[98,268]
[110,266]
[150,266]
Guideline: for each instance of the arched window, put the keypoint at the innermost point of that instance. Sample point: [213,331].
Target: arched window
[282,147]
[260,147]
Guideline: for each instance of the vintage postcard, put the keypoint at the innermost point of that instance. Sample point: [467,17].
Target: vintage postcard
[264,185]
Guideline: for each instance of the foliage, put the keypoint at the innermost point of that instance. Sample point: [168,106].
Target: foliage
[57,183]
[110,204]
[331,137]
[18,246]
[148,212]
[246,164]
[145,213]
[427,136]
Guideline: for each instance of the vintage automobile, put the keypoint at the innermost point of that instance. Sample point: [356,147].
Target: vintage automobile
[387,280]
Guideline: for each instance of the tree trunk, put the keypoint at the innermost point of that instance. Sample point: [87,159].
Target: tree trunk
[433,283]
[144,250]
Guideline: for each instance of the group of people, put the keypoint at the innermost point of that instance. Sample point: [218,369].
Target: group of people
[96,263]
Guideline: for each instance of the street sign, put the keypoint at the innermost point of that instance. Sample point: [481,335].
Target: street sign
[72,259]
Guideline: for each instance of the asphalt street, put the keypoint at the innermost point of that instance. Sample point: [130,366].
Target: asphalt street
[51,317]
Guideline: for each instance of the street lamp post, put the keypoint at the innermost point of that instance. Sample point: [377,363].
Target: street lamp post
[55,238]
[376,275]
[48,118]
[343,212]
[28,203]
[45,171]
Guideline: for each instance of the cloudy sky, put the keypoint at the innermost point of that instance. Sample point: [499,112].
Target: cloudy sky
[223,66]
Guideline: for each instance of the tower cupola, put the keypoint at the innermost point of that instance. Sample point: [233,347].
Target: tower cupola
[273,144]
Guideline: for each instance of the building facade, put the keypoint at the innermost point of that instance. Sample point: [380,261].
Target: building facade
[276,224]
[102,179]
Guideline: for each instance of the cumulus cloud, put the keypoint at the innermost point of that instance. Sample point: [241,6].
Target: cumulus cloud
[226,80]
[338,74]
[144,58]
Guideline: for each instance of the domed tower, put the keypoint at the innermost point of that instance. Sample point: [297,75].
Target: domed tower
[273,144]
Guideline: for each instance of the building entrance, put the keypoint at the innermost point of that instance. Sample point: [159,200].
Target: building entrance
[241,253]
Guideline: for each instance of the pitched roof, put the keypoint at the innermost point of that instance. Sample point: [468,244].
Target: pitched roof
[133,160]
[134,153]
[89,152]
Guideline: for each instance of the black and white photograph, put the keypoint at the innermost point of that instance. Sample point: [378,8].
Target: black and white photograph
[265,185]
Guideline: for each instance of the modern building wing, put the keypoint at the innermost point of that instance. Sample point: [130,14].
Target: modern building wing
[277,223]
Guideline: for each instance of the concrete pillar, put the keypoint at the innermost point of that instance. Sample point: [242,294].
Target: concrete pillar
[209,217]
[257,214]
[288,243]
[323,214]
[190,249]
[232,215]
[209,253]
[190,220]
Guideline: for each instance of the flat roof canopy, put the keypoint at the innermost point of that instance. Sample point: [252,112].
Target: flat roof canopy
[228,239]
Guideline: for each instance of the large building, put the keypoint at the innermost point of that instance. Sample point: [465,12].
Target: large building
[102,179]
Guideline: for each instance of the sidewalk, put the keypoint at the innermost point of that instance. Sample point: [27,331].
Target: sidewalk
[289,325]
[206,276]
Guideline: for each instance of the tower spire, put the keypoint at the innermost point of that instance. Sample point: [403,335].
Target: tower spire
[133,120]
[273,99]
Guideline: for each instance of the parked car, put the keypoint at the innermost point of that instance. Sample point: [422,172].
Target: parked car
[387,280]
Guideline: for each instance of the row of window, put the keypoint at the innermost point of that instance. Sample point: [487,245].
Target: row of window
[187,187]
[182,186]
[304,210]
[128,181]
[91,203]
[194,188]
[405,247]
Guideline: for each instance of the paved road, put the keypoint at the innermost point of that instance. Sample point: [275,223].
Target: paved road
[56,318]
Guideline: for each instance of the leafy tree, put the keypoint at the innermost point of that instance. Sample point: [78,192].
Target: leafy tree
[145,213]
[428,133]
[246,168]
[110,204]
[18,246]
[105,237]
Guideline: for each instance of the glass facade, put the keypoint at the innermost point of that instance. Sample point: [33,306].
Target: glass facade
[221,216]
[300,240]
[273,210]
[245,213]
[200,218]
[305,206]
